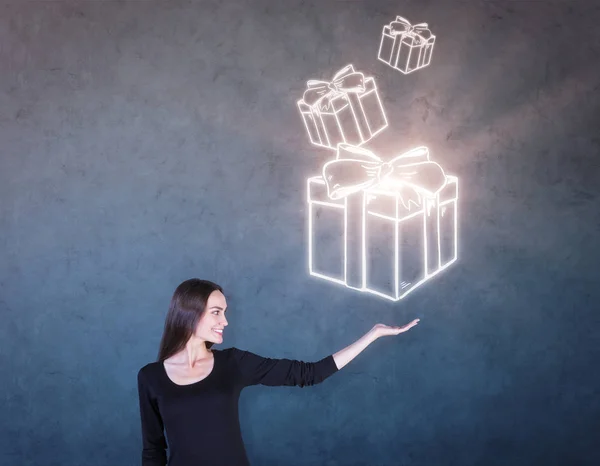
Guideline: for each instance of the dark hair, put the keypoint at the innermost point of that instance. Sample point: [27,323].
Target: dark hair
[187,305]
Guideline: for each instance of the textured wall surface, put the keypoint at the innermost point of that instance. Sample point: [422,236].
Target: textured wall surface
[147,142]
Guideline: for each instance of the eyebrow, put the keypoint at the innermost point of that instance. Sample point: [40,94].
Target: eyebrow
[217,307]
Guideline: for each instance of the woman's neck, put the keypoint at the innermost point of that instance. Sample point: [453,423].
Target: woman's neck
[195,351]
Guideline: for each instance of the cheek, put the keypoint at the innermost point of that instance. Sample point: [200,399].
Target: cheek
[202,326]
[207,324]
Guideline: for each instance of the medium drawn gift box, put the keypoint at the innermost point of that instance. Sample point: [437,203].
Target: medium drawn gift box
[346,110]
[406,47]
[381,227]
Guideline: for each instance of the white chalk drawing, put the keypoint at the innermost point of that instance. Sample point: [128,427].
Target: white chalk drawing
[381,227]
[406,47]
[346,109]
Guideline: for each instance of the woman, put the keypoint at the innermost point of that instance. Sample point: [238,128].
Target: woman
[191,393]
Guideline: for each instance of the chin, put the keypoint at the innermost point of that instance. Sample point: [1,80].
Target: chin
[214,340]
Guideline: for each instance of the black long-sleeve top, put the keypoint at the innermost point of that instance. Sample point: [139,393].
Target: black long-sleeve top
[201,419]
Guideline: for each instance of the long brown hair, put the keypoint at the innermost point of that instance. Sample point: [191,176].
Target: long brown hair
[187,305]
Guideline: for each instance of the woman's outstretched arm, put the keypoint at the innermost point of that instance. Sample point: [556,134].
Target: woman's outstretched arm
[255,369]
[346,355]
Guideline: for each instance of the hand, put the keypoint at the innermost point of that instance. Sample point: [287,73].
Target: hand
[381,330]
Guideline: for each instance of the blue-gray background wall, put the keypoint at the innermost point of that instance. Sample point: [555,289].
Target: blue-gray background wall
[147,142]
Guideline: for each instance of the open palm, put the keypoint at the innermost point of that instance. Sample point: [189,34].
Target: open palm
[382,330]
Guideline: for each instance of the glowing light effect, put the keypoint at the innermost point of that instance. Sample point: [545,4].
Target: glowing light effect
[396,221]
[406,47]
[346,110]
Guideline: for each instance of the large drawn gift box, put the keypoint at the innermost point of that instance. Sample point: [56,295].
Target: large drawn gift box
[406,47]
[346,110]
[381,227]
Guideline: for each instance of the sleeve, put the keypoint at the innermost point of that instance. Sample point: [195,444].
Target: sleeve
[153,440]
[255,370]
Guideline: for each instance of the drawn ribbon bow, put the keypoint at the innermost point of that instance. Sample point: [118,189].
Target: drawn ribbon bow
[402,26]
[323,92]
[411,174]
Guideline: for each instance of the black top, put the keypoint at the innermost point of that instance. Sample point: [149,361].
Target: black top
[201,419]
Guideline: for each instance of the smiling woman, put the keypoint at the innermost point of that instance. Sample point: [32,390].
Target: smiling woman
[191,381]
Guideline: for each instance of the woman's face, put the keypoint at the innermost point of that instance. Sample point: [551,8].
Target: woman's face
[213,321]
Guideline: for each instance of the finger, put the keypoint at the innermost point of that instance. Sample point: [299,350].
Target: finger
[408,326]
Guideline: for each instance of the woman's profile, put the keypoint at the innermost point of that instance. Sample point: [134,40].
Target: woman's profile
[190,394]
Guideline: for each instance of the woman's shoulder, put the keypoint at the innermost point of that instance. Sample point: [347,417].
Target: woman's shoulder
[228,352]
[231,355]
[150,371]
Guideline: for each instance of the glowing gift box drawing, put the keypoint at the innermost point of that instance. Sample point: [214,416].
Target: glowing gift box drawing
[381,227]
[346,110]
[406,47]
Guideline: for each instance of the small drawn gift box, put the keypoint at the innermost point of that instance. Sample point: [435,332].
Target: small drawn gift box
[381,227]
[406,47]
[346,110]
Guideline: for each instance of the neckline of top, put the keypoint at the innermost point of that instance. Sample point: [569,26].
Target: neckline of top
[164,371]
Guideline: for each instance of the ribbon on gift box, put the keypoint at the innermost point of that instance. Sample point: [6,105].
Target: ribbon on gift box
[410,174]
[321,93]
[401,26]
